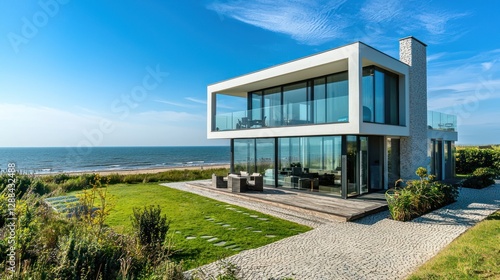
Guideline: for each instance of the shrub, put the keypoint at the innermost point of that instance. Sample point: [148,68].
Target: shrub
[82,256]
[60,178]
[481,178]
[419,197]
[150,229]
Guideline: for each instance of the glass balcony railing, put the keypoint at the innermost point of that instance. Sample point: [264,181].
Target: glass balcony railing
[441,121]
[275,116]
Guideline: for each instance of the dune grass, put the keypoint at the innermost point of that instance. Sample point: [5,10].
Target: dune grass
[195,222]
[474,255]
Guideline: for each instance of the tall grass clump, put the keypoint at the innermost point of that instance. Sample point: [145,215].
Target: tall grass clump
[419,196]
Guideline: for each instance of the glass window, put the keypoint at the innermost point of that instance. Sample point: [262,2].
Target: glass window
[244,155]
[295,101]
[393,110]
[367,96]
[337,97]
[256,106]
[320,100]
[379,97]
[272,106]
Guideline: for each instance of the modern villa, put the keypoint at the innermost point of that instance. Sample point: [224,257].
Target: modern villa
[346,122]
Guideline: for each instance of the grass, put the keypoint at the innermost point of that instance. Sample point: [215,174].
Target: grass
[192,215]
[474,255]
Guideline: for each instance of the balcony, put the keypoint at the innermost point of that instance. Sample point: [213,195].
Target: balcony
[294,114]
[441,121]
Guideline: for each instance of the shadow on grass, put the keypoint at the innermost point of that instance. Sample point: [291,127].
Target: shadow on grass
[494,217]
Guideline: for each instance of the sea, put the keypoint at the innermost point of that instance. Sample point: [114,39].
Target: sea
[88,159]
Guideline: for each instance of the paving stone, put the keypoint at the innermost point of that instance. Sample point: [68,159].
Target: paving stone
[263,219]
[206,236]
[270,236]
[257,231]
[191,237]
[231,246]
[220,244]
[212,239]
[254,216]
[226,225]
[178,232]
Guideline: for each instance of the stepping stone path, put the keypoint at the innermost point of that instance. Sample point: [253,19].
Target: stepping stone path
[190,237]
[270,236]
[257,231]
[220,244]
[244,213]
[212,239]
[206,236]
[263,219]
[226,225]
[231,246]
[254,216]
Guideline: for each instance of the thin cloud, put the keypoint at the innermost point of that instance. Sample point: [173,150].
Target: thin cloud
[381,10]
[195,100]
[307,22]
[437,23]
[464,85]
[174,103]
[317,22]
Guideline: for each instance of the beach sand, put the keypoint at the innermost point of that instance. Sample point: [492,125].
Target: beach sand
[149,171]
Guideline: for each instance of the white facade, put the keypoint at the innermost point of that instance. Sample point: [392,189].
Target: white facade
[387,149]
[351,58]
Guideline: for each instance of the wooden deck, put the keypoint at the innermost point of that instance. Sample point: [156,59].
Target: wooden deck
[324,205]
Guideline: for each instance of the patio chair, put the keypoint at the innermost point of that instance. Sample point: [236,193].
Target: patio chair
[255,182]
[218,181]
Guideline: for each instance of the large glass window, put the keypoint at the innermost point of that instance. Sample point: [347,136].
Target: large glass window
[368,101]
[337,97]
[295,101]
[380,96]
[272,106]
[256,101]
[244,155]
[319,100]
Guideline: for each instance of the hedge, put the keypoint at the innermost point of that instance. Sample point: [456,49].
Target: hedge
[471,158]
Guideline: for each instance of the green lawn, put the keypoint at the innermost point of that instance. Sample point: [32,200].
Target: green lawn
[474,255]
[196,220]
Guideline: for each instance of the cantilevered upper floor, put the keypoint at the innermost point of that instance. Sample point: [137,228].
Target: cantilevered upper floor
[354,89]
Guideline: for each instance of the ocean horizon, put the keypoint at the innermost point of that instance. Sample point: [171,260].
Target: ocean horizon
[53,160]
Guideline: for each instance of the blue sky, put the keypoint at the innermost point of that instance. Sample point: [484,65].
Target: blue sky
[134,73]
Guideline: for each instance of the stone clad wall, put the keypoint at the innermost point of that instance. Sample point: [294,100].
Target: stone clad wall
[414,149]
